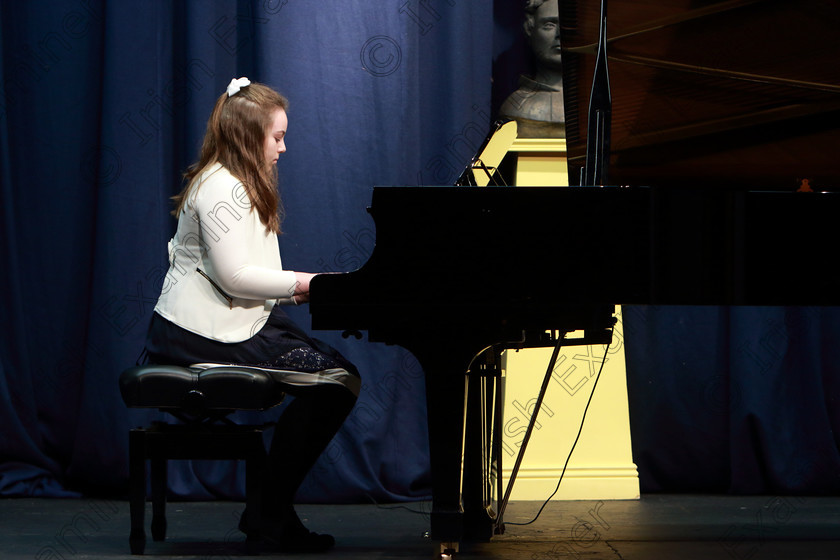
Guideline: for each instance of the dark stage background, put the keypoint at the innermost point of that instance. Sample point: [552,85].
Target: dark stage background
[103,106]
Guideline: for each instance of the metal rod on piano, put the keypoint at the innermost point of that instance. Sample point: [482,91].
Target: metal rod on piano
[600,111]
[531,423]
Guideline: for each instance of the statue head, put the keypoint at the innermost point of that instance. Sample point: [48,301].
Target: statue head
[538,104]
[542,26]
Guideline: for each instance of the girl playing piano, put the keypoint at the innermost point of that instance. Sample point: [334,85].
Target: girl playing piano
[222,297]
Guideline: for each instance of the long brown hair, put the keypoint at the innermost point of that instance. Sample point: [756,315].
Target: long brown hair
[236,132]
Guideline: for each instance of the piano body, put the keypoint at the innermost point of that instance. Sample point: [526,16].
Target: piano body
[722,111]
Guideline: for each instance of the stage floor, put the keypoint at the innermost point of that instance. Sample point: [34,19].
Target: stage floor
[657,527]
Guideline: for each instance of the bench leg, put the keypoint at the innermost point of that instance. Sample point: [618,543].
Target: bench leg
[254,471]
[159,476]
[137,489]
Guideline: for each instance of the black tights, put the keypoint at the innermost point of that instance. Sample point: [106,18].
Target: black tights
[302,433]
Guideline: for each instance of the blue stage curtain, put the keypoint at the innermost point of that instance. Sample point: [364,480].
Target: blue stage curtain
[102,107]
[741,400]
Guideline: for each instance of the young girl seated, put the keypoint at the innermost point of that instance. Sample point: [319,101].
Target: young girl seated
[222,297]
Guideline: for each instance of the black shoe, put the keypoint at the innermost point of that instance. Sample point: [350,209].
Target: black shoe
[309,542]
[286,535]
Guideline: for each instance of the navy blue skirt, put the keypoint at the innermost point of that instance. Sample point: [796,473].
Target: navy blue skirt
[280,344]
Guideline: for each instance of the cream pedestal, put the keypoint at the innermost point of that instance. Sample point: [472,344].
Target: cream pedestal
[540,162]
[601,466]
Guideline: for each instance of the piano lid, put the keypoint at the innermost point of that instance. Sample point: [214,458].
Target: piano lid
[736,92]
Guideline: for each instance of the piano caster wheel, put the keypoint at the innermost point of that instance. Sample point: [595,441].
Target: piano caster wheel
[447,551]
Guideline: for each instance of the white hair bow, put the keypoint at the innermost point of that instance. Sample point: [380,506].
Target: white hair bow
[236,84]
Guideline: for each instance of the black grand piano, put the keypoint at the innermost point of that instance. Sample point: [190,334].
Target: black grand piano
[722,188]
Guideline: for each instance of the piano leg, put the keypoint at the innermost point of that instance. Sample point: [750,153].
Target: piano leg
[482,447]
[445,394]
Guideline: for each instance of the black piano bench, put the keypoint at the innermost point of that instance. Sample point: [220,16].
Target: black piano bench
[200,398]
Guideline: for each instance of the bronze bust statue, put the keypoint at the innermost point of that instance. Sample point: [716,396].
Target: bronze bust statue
[537,105]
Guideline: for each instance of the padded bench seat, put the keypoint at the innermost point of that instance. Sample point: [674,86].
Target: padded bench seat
[202,389]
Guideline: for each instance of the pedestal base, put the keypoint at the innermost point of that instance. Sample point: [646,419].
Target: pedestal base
[601,466]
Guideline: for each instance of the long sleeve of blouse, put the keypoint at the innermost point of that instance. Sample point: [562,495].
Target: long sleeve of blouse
[243,255]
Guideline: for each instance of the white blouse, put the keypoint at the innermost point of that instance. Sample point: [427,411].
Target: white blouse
[225,272]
